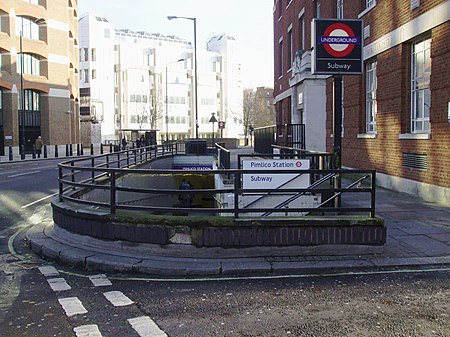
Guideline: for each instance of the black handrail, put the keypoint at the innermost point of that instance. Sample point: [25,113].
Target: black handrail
[99,173]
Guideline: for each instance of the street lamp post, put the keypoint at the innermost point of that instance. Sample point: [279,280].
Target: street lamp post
[213,120]
[167,99]
[39,22]
[195,67]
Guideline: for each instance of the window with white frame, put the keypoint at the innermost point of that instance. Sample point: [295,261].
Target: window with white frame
[420,86]
[27,28]
[302,32]
[31,64]
[371,97]
[290,47]
[280,58]
[318,7]
[370,3]
[340,9]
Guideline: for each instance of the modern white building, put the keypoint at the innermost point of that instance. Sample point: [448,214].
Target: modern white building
[136,82]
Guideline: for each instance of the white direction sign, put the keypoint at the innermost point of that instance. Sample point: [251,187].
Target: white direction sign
[275,180]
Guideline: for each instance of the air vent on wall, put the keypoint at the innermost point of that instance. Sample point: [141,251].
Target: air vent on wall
[415,161]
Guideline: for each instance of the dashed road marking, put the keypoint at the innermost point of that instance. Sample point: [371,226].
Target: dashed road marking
[72,306]
[100,280]
[48,271]
[58,284]
[145,327]
[90,330]
[117,298]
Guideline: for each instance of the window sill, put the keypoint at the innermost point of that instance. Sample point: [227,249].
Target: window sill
[415,136]
[366,136]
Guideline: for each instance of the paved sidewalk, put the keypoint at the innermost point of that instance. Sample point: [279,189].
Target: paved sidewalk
[418,235]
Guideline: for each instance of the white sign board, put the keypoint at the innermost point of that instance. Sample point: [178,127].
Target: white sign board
[272,180]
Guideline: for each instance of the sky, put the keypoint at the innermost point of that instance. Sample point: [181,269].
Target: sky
[250,21]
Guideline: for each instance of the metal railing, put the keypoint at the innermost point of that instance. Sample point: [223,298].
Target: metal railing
[118,181]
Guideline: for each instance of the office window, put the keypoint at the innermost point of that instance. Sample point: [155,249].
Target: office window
[93,54]
[94,74]
[420,86]
[86,75]
[318,8]
[340,9]
[371,97]
[290,48]
[27,28]
[280,58]
[107,33]
[31,64]
[370,3]
[302,32]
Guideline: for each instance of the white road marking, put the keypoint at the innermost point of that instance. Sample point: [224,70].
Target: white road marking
[37,201]
[145,327]
[100,280]
[117,298]
[48,271]
[72,306]
[23,174]
[7,172]
[58,284]
[90,330]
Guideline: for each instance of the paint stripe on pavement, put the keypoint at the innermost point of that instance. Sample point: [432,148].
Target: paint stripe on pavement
[58,284]
[48,271]
[90,330]
[145,327]
[72,306]
[117,298]
[100,280]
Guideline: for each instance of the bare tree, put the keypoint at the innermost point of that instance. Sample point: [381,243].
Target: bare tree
[264,110]
[157,107]
[248,111]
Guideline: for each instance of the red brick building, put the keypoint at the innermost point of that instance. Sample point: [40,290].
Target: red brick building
[396,115]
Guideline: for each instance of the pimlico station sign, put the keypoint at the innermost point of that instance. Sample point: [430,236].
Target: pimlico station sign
[337,46]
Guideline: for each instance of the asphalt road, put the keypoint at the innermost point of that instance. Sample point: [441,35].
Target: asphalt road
[70,302]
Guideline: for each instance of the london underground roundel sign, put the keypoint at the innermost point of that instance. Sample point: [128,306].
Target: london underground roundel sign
[337,46]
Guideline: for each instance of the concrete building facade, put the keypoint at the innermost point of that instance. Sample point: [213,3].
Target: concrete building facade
[396,115]
[39,59]
[142,82]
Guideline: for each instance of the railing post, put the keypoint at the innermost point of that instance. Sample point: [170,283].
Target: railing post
[72,172]
[236,196]
[372,192]
[61,186]
[92,166]
[113,192]
[118,159]
[128,158]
